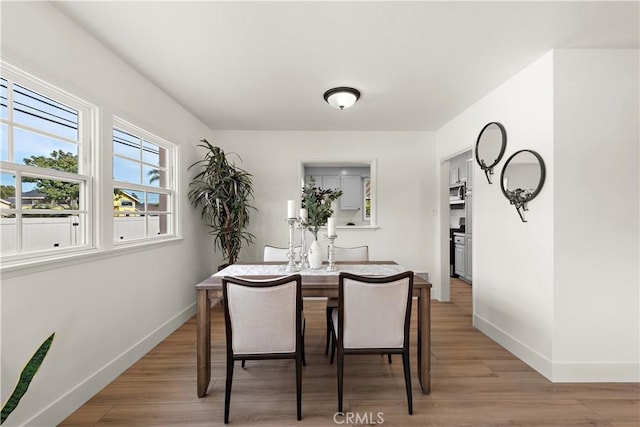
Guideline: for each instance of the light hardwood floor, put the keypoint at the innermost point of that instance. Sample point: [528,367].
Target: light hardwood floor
[475,382]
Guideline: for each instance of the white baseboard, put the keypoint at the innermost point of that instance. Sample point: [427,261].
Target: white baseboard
[435,294]
[76,397]
[560,371]
[525,353]
[603,372]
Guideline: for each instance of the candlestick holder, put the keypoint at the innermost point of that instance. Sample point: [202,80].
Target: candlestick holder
[304,257]
[291,266]
[332,265]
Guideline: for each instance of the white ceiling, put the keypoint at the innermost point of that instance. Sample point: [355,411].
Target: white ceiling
[265,65]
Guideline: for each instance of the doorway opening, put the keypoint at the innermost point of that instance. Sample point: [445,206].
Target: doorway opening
[456,221]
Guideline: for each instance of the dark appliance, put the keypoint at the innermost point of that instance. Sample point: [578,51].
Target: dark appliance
[452,246]
[456,193]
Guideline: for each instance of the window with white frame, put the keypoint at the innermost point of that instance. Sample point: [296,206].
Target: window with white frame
[46,168]
[143,184]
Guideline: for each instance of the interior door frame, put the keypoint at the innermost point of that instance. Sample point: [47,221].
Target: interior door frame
[445,288]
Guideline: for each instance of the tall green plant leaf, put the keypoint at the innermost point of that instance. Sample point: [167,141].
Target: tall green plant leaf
[26,376]
[222,191]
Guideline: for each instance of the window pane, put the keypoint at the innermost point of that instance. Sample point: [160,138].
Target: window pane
[39,193]
[154,177]
[126,170]
[159,224]
[7,190]
[145,212]
[38,150]
[44,231]
[151,153]
[126,144]
[7,233]
[127,202]
[129,227]
[4,143]
[3,99]
[45,114]
[157,202]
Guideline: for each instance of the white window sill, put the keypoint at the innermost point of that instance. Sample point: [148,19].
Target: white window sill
[351,227]
[361,227]
[29,266]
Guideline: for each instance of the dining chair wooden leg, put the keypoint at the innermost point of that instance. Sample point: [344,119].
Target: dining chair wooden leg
[389,356]
[333,349]
[329,333]
[243,362]
[227,390]
[340,378]
[407,380]
[299,386]
[304,326]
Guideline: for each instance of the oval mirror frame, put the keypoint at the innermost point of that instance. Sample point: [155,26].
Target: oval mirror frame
[488,169]
[520,197]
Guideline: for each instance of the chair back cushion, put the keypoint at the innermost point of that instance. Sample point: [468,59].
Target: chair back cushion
[263,319]
[272,253]
[374,313]
[359,253]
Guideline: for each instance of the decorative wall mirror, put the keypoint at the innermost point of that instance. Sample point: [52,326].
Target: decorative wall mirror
[490,147]
[522,179]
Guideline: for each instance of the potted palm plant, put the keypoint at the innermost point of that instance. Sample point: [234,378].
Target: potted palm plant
[222,192]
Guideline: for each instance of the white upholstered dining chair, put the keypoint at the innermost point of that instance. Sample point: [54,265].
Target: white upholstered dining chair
[263,320]
[274,253]
[373,317]
[357,253]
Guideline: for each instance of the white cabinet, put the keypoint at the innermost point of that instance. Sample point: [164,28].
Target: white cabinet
[468,271]
[325,182]
[468,247]
[351,192]
[468,213]
[331,182]
[469,174]
[454,176]
[462,173]
[317,180]
[351,186]
[459,255]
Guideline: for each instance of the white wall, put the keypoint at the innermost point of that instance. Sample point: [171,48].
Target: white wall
[596,279]
[512,261]
[107,310]
[561,291]
[406,187]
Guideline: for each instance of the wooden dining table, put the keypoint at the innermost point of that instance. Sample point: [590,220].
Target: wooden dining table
[315,283]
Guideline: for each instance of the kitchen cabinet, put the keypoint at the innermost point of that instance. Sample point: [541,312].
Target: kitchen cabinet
[468,213]
[469,176]
[468,270]
[454,176]
[331,182]
[468,231]
[351,187]
[326,182]
[459,255]
[462,173]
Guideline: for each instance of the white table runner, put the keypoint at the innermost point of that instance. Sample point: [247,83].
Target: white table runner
[278,270]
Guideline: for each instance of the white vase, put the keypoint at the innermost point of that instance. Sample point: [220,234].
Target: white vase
[315,255]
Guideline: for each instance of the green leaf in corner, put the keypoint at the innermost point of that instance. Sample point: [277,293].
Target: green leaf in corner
[26,376]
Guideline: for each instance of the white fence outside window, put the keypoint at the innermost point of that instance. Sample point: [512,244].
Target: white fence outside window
[64,232]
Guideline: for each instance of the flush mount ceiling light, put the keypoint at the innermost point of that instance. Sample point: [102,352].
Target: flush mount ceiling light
[341,97]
